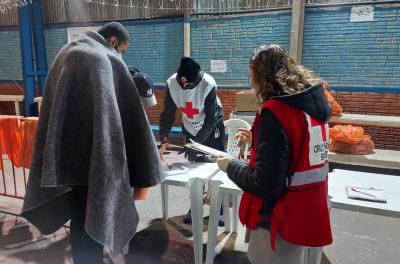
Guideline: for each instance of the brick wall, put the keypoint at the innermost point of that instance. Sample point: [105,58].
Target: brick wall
[369,103]
[353,54]
[55,39]
[156,48]
[10,55]
[344,53]
[357,103]
[374,104]
[7,108]
[234,39]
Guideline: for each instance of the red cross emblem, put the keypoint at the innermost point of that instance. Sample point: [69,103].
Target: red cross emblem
[189,110]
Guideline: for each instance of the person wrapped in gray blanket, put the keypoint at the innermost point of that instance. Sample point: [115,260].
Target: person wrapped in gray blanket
[93,148]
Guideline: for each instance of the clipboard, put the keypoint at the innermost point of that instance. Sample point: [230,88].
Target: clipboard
[366,194]
[204,149]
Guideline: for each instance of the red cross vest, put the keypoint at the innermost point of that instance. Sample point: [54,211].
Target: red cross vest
[301,214]
[190,102]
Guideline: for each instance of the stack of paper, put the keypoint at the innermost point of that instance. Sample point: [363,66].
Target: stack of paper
[206,150]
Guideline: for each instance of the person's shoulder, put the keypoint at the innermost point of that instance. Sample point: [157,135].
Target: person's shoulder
[172,77]
[209,79]
[171,80]
[82,52]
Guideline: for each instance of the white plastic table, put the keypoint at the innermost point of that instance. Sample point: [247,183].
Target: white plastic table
[339,179]
[192,176]
[218,185]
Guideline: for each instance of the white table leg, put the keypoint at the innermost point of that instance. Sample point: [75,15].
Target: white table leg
[235,212]
[164,201]
[227,213]
[215,205]
[196,204]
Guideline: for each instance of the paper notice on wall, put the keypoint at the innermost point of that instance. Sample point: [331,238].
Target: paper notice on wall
[218,66]
[74,32]
[362,13]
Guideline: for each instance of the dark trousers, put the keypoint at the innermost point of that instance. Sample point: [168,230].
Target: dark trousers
[84,249]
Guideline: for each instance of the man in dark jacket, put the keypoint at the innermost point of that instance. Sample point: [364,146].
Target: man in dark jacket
[194,93]
[93,145]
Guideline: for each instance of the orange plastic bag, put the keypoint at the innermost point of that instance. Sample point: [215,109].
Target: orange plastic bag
[10,137]
[336,108]
[350,140]
[28,141]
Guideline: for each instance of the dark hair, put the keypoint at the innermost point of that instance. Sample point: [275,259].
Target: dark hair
[114,29]
[276,72]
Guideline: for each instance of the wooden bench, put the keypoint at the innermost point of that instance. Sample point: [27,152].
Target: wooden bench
[13,98]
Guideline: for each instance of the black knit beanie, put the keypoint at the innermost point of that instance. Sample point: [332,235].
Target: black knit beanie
[190,69]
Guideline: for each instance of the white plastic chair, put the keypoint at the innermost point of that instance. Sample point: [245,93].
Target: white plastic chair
[232,126]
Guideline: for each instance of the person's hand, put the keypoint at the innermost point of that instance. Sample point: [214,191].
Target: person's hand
[191,154]
[162,149]
[244,136]
[223,162]
[140,194]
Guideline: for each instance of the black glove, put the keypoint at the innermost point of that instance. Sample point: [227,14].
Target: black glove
[191,154]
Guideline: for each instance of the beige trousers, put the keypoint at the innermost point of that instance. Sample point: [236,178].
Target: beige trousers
[260,251]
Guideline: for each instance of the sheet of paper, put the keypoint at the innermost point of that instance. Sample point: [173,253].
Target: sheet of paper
[174,164]
[368,194]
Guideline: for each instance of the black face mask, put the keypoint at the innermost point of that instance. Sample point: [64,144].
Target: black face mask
[188,85]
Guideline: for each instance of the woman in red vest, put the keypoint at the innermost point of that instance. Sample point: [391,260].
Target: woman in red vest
[285,184]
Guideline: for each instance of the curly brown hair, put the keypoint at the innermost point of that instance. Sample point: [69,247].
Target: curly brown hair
[275,72]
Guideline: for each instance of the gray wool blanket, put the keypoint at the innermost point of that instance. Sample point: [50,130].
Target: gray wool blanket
[92,131]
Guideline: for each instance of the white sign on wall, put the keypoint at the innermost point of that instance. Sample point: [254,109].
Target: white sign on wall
[362,13]
[219,66]
[74,32]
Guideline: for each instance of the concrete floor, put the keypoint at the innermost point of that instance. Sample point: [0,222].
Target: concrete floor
[358,238]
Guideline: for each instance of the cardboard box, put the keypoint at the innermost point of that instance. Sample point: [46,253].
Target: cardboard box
[247,101]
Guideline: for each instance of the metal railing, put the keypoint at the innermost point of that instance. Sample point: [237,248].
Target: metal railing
[13,180]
